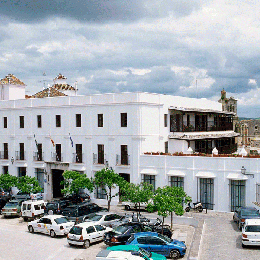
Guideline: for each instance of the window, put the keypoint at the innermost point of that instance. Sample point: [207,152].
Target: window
[124,155]
[78,158]
[22,157]
[258,192]
[150,179]
[21,121]
[100,120]
[58,120]
[100,228]
[5,150]
[166,147]
[90,229]
[165,120]
[101,155]
[5,122]
[5,169]
[101,193]
[175,181]
[21,171]
[39,121]
[78,120]
[123,119]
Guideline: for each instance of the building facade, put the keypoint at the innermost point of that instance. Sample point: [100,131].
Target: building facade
[57,130]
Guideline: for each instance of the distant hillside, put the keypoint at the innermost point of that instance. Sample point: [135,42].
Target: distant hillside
[247,118]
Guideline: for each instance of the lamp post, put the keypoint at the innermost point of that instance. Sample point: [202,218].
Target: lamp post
[243,170]
[12,160]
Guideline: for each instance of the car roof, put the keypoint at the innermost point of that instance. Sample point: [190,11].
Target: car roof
[124,248]
[153,234]
[252,222]
[33,201]
[86,224]
[104,213]
[53,216]
[249,208]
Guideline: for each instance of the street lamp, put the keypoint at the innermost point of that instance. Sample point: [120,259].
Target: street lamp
[12,160]
[243,171]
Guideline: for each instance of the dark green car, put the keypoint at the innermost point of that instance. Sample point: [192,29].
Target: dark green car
[138,251]
[12,208]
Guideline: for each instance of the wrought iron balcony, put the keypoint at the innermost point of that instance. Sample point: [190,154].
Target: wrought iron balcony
[57,157]
[4,155]
[20,155]
[99,158]
[77,157]
[122,159]
[38,156]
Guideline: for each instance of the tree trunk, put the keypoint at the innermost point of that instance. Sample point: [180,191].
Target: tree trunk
[162,224]
[109,200]
[171,220]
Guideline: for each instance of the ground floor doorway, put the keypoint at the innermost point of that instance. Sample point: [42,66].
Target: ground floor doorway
[237,194]
[57,178]
[207,192]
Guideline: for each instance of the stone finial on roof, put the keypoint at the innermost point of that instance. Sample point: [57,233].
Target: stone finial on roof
[11,79]
[60,76]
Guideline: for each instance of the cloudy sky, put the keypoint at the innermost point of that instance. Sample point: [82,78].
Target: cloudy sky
[159,46]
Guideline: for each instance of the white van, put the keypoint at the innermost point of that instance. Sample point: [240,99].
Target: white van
[32,209]
[117,255]
[251,233]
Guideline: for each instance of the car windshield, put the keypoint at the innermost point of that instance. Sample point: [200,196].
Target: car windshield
[60,220]
[144,252]
[76,230]
[249,212]
[165,238]
[252,228]
[120,229]
[12,203]
[72,212]
[51,205]
[95,218]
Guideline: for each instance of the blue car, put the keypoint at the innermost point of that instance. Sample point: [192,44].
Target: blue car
[154,242]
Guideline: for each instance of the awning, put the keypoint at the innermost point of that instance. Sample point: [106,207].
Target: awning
[205,175]
[149,171]
[237,176]
[176,173]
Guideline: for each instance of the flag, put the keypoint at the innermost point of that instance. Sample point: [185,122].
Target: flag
[35,141]
[52,142]
[71,141]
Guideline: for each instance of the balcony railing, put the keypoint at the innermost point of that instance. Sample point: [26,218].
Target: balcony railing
[99,159]
[77,157]
[4,155]
[38,156]
[203,126]
[57,157]
[122,159]
[20,155]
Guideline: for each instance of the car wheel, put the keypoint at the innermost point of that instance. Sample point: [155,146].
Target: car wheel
[25,218]
[244,246]
[52,233]
[86,244]
[174,254]
[31,230]
[127,207]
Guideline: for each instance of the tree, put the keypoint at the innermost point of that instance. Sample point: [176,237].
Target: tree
[107,179]
[138,193]
[73,181]
[28,184]
[168,200]
[7,181]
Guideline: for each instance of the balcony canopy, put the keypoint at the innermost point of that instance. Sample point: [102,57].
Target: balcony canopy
[237,176]
[149,171]
[201,110]
[203,135]
[177,173]
[205,174]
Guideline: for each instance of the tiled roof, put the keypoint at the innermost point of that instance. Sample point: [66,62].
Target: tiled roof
[11,79]
[48,92]
[63,87]
[60,76]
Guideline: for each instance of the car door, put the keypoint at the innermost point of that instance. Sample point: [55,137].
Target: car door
[40,225]
[100,232]
[157,245]
[92,234]
[144,242]
[47,226]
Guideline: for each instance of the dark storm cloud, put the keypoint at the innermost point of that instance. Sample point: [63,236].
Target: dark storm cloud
[95,10]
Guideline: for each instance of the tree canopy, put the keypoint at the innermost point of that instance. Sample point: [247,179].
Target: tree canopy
[28,184]
[7,181]
[107,179]
[73,181]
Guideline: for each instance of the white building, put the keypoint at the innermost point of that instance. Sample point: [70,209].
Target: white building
[42,137]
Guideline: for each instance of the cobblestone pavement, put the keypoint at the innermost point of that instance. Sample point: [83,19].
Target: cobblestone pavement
[221,238]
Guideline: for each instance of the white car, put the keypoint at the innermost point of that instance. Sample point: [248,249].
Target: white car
[103,218]
[53,225]
[86,233]
[117,255]
[251,233]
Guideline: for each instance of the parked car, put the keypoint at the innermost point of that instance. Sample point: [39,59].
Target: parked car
[130,205]
[120,234]
[27,196]
[78,198]
[53,225]
[2,204]
[243,213]
[12,208]
[136,250]
[154,242]
[84,234]
[131,218]
[251,233]
[56,206]
[104,218]
[112,255]
[32,209]
[78,213]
